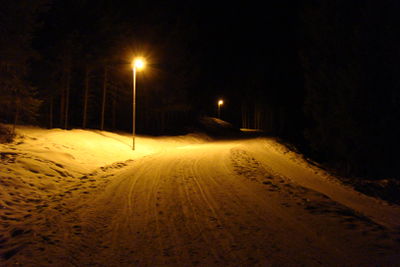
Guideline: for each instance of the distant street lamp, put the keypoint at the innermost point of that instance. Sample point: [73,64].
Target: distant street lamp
[137,64]
[220,103]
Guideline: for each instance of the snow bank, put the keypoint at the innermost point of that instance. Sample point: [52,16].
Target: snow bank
[42,166]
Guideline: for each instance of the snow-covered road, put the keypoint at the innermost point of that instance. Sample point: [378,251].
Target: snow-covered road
[186,203]
[215,204]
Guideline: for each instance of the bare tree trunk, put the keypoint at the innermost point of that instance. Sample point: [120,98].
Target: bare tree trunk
[272,124]
[281,120]
[103,106]
[257,116]
[85,98]
[67,89]
[243,116]
[51,113]
[162,123]
[62,106]
[114,111]
[16,114]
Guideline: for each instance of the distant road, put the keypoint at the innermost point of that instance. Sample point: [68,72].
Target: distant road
[231,203]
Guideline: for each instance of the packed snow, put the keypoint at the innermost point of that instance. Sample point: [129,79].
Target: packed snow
[84,198]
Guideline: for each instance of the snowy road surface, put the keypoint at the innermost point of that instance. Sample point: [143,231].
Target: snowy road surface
[228,203]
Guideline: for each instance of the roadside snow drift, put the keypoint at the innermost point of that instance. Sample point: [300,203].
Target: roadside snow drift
[84,198]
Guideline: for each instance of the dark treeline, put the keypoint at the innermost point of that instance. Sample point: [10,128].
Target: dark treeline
[79,54]
[87,69]
[18,23]
[350,52]
[326,79]
[321,74]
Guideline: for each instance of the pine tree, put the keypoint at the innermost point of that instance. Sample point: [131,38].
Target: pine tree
[349,56]
[18,100]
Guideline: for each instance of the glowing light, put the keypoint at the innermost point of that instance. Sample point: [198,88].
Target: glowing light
[138,63]
[220,103]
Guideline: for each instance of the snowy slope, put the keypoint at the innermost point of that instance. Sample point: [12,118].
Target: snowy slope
[43,166]
[84,198]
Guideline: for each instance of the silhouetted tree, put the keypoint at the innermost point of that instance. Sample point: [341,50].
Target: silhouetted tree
[349,56]
[17,24]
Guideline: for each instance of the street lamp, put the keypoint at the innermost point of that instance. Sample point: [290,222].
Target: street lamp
[137,64]
[220,103]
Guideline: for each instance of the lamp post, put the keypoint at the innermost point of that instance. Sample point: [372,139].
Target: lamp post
[220,103]
[137,64]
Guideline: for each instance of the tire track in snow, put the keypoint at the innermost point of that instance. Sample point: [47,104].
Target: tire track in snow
[208,205]
[293,195]
[211,219]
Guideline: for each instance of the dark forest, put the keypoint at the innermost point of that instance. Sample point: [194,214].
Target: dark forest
[321,75]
